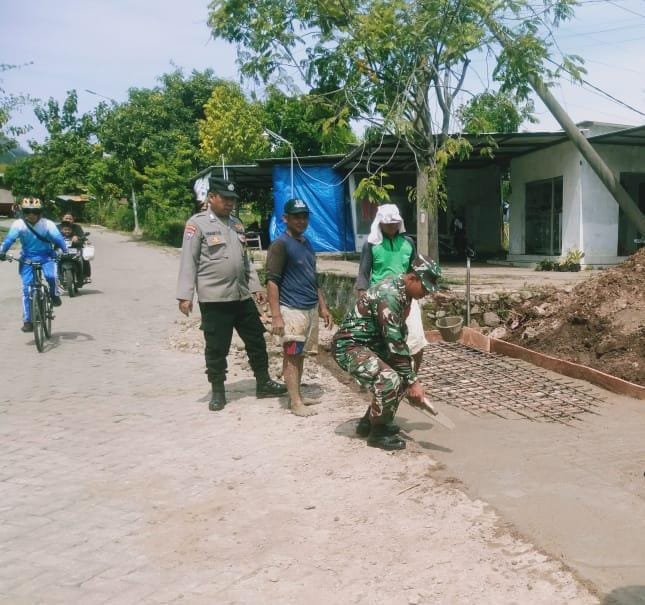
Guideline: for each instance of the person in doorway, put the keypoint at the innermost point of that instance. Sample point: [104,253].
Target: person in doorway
[388,251]
[295,299]
[459,233]
[371,345]
[214,261]
[39,238]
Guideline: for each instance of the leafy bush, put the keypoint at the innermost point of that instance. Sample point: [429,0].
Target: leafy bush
[111,213]
[166,226]
[569,262]
[122,219]
[546,265]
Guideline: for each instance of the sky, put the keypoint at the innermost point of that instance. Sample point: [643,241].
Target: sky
[109,46]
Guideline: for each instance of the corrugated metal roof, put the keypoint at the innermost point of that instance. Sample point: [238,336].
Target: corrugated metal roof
[77,199]
[629,136]
[260,174]
[397,156]
[394,155]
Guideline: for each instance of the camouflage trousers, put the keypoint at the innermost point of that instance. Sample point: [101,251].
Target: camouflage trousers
[372,372]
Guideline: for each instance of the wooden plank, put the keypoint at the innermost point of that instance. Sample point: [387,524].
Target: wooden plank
[568,368]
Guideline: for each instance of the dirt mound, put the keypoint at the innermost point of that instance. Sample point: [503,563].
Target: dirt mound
[600,323]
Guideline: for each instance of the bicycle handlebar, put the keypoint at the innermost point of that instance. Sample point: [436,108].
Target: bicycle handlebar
[27,261]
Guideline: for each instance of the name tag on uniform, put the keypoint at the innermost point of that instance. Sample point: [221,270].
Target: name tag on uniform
[215,240]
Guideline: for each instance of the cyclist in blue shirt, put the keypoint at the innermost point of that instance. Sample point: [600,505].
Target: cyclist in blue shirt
[39,237]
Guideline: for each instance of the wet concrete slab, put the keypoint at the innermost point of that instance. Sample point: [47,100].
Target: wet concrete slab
[576,491]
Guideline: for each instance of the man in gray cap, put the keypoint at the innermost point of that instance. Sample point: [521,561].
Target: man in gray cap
[214,261]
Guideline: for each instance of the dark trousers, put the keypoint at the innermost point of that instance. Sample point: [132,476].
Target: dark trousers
[218,321]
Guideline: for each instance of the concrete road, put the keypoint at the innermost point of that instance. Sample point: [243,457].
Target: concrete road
[578,492]
[112,476]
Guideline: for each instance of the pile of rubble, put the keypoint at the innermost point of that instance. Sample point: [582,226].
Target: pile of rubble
[600,323]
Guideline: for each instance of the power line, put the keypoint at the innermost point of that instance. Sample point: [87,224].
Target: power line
[600,90]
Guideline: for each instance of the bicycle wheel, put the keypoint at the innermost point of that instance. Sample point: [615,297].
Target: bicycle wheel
[47,314]
[37,320]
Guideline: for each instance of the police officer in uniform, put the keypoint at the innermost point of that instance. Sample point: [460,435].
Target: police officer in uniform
[214,261]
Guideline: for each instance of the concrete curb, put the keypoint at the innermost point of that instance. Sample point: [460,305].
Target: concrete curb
[472,338]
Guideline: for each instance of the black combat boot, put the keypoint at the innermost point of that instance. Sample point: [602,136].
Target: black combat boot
[363,427]
[265,387]
[378,437]
[218,397]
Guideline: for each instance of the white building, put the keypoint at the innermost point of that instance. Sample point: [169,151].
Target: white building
[559,204]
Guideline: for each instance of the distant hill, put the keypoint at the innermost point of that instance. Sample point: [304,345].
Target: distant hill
[9,157]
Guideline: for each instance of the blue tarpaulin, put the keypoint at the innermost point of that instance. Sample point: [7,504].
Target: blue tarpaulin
[321,187]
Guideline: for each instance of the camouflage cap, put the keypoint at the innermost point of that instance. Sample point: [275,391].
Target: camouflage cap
[428,272]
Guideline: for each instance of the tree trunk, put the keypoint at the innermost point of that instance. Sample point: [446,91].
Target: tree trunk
[427,224]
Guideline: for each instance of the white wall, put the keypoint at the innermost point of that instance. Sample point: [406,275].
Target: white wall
[559,160]
[600,209]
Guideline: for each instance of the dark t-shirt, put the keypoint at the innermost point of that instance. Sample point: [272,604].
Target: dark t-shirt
[291,264]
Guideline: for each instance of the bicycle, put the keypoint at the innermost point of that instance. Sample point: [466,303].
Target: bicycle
[40,303]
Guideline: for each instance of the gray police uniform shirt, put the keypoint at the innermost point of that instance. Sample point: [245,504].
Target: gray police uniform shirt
[214,260]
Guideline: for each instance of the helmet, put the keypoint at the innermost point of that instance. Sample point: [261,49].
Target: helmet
[31,203]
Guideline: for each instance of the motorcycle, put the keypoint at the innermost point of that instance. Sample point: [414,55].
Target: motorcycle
[70,265]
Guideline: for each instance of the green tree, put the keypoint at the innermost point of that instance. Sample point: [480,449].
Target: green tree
[9,103]
[494,112]
[154,136]
[311,122]
[63,162]
[232,126]
[399,64]
[157,120]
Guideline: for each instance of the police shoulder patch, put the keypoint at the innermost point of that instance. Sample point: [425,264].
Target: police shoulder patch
[189,231]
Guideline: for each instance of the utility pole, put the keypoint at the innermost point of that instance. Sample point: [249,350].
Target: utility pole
[137,229]
[586,149]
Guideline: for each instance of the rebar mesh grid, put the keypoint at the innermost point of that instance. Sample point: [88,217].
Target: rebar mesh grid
[487,383]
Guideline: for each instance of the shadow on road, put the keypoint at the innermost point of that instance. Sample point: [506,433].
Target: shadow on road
[625,595]
[348,429]
[58,337]
[85,291]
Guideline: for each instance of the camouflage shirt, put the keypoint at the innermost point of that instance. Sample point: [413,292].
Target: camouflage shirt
[377,322]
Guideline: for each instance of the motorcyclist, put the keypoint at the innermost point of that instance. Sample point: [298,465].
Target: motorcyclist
[76,234]
[39,237]
[76,230]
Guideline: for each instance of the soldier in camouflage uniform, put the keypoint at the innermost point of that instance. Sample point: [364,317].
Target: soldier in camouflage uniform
[371,345]
[214,262]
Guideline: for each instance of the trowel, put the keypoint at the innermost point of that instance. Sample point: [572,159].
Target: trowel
[435,414]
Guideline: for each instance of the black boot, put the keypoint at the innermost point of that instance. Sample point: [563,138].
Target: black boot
[218,397]
[265,387]
[378,437]
[363,427]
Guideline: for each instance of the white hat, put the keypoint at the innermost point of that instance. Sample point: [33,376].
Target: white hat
[387,214]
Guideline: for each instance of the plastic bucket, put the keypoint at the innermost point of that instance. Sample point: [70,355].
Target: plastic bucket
[450,327]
